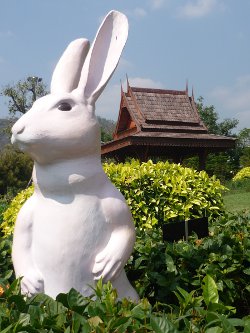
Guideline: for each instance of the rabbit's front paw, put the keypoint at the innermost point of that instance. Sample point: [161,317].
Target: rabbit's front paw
[107,266]
[32,283]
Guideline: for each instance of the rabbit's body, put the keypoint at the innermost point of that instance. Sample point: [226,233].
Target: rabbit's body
[70,225]
[76,227]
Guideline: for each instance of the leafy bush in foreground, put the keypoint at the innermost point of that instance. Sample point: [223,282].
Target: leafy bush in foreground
[197,286]
[158,268]
[102,313]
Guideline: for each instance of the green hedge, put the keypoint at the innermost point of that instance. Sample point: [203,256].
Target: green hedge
[10,214]
[242,174]
[156,193]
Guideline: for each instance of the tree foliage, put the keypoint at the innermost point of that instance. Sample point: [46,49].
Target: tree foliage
[210,118]
[22,95]
[224,165]
[244,137]
[15,170]
[107,129]
[245,157]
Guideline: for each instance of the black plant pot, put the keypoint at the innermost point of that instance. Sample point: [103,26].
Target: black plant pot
[174,231]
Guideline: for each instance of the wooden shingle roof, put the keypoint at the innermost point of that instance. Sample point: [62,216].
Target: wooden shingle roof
[160,118]
[165,106]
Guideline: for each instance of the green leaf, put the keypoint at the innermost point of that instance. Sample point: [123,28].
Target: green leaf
[162,325]
[210,290]
[121,324]
[63,298]
[138,312]
[8,329]
[236,321]
[247,271]
[67,330]
[14,288]
[78,321]
[23,320]
[170,264]
[215,329]
[19,302]
[76,300]
[95,321]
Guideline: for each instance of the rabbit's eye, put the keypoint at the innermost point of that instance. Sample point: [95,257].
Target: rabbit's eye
[64,106]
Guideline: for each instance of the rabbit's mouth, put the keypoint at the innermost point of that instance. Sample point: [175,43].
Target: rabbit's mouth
[21,145]
[13,139]
[22,142]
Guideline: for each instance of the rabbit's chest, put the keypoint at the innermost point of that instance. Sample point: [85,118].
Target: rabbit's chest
[78,224]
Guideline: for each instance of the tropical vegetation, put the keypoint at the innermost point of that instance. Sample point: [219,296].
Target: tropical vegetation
[198,285]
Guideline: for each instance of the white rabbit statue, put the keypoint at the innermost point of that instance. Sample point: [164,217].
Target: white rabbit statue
[76,227]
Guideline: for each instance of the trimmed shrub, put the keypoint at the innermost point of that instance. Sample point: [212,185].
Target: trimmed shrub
[242,174]
[10,214]
[158,193]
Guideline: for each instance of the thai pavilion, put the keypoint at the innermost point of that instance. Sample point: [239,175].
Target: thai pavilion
[161,123]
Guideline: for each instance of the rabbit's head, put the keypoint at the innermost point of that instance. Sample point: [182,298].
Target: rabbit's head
[62,125]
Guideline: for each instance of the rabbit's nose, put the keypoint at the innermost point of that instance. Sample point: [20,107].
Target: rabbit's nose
[18,128]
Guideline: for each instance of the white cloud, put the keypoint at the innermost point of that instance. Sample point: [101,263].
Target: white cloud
[108,104]
[144,83]
[197,8]
[7,33]
[1,60]
[139,12]
[235,100]
[157,4]
[124,64]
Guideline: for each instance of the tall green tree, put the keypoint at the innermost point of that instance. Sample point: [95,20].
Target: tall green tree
[210,117]
[244,137]
[243,143]
[22,94]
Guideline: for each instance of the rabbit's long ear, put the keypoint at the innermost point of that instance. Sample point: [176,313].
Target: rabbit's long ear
[104,55]
[67,73]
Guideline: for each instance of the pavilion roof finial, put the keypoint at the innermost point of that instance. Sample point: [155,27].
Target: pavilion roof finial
[121,87]
[127,81]
[187,86]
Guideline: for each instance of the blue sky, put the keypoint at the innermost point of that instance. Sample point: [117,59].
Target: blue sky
[206,42]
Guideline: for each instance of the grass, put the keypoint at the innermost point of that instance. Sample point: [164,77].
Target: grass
[238,196]
[236,202]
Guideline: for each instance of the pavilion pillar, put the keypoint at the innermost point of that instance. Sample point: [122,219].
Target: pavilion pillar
[143,154]
[202,159]
[177,159]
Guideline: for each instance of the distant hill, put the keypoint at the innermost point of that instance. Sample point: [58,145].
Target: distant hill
[108,126]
